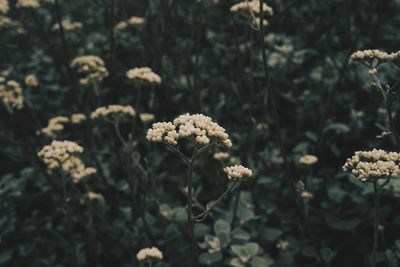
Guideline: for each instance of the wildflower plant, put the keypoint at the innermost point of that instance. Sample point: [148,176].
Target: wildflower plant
[203,133]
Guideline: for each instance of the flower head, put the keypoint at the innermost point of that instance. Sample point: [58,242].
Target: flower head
[146,117]
[113,112]
[4,7]
[308,159]
[11,94]
[146,253]
[372,165]
[237,172]
[143,74]
[92,67]
[197,128]
[54,125]
[31,80]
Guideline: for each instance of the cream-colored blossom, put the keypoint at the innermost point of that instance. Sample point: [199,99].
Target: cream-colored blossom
[31,80]
[135,21]
[368,56]
[221,155]
[122,25]
[62,155]
[197,128]
[144,74]
[237,172]
[251,6]
[372,165]
[262,126]
[282,245]
[306,195]
[113,112]
[67,26]
[153,253]
[54,126]
[91,196]
[146,117]
[132,21]
[92,67]
[78,118]
[308,159]
[4,7]
[11,95]
[28,3]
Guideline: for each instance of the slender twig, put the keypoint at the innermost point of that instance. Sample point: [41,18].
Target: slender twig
[190,208]
[203,215]
[179,153]
[376,222]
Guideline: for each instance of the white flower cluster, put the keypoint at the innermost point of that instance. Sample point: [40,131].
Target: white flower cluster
[221,155]
[237,172]
[77,118]
[251,9]
[153,252]
[144,74]
[28,3]
[54,125]
[308,159]
[372,165]
[133,21]
[367,56]
[113,112]
[11,94]
[4,7]
[67,26]
[92,67]
[198,128]
[283,245]
[146,117]
[14,26]
[62,155]
[31,80]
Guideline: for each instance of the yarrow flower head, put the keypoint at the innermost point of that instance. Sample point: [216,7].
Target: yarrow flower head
[308,160]
[251,9]
[197,128]
[132,21]
[221,155]
[92,67]
[283,245]
[67,26]
[237,172]
[113,113]
[31,80]
[374,57]
[28,3]
[146,253]
[11,95]
[54,126]
[143,74]
[369,166]
[4,7]
[77,118]
[146,117]
[62,155]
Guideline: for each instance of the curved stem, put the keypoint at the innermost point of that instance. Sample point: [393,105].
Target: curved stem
[376,224]
[203,215]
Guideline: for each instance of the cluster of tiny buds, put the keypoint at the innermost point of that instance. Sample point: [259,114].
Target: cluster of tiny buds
[67,26]
[28,3]
[221,155]
[283,245]
[11,94]
[92,67]
[367,56]
[77,118]
[62,155]
[308,159]
[91,196]
[143,74]
[237,172]
[146,253]
[54,125]
[4,7]
[372,165]
[133,21]
[113,112]
[197,128]
[31,80]
[251,9]
[146,117]
[306,195]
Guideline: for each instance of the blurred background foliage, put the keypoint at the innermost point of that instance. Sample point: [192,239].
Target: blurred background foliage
[210,61]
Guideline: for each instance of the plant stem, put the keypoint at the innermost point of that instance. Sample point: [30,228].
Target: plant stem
[190,209]
[376,222]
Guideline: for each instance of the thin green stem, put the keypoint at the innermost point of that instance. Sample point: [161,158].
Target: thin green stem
[376,223]
[190,208]
[203,215]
